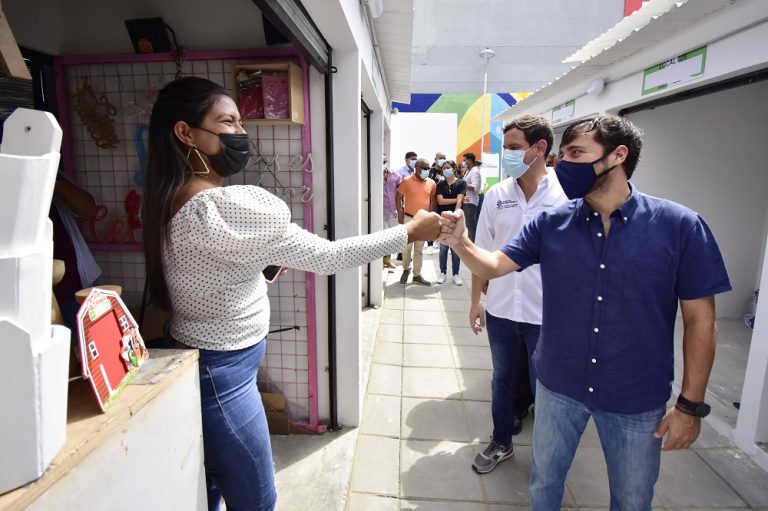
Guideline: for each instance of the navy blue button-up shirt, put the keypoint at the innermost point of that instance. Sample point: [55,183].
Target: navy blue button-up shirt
[610,302]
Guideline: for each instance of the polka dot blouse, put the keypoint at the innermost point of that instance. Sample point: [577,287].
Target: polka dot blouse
[218,244]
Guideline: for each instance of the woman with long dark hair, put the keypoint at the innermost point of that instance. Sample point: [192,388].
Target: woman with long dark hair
[206,246]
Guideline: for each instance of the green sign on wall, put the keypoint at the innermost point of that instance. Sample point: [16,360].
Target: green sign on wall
[564,112]
[680,69]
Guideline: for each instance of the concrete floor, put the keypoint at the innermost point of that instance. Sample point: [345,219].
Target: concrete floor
[427,413]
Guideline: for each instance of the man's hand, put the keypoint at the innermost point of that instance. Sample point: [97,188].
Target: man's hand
[681,430]
[425,226]
[477,317]
[453,227]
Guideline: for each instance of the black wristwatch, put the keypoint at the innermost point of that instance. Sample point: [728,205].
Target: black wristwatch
[690,408]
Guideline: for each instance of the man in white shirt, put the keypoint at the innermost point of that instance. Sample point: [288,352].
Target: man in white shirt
[410,163]
[514,302]
[474,181]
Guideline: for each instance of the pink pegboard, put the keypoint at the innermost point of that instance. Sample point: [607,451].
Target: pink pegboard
[128,82]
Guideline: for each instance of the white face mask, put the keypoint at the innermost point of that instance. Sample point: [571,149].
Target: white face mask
[412,163]
[424,173]
[513,164]
[441,162]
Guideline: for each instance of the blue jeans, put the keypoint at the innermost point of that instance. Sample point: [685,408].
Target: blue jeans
[238,455]
[504,337]
[443,260]
[632,453]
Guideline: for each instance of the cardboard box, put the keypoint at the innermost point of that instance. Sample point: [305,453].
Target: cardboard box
[277,417]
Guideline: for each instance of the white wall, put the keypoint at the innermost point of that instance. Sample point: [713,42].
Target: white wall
[426,134]
[320,219]
[752,426]
[348,211]
[735,45]
[705,153]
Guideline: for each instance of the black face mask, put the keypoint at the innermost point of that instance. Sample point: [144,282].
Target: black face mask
[234,155]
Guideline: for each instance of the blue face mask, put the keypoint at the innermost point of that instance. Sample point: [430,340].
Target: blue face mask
[424,173]
[412,163]
[577,179]
[448,173]
[441,162]
[513,164]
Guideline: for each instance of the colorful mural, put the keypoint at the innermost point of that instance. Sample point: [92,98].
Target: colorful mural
[469,110]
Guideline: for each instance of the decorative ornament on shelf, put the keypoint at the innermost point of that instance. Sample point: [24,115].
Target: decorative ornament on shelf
[111,347]
[96,114]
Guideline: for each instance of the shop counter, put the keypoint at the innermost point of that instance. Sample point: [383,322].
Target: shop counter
[145,452]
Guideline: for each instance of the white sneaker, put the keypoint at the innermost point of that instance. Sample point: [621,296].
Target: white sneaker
[430,250]
[441,278]
[457,280]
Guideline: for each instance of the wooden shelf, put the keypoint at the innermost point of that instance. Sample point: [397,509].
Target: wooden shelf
[279,92]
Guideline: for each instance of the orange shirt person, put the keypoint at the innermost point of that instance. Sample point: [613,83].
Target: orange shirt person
[415,192]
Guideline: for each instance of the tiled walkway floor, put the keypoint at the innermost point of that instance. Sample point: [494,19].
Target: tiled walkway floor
[427,413]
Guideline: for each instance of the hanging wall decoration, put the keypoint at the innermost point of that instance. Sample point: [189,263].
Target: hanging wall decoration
[96,114]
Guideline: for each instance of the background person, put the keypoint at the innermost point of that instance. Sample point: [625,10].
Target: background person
[416,193]
[391,182]
[474,181]
[513,310]
[436,175]
[410,163]
[450,197]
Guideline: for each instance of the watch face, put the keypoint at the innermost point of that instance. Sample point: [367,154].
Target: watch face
[702,409]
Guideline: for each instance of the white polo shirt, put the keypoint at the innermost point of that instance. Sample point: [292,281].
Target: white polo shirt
[517,295]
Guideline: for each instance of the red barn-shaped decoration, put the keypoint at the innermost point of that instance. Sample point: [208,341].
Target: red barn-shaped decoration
[111,348]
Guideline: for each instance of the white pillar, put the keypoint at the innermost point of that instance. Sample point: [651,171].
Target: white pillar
[752,425]
[348,211]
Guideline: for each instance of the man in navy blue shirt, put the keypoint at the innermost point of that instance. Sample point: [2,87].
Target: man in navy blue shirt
[614,265]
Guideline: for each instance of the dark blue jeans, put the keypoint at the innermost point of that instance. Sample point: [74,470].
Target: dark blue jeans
[443,260]
[238,454]
[504,337]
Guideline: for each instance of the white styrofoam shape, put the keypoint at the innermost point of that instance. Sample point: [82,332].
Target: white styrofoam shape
[34,403]
[25,200]
[53,378]
[28,163]
[25,295]
[18,434]
[30,133]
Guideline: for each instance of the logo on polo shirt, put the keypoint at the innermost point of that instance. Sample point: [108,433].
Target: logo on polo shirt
[545,205]
[506,204]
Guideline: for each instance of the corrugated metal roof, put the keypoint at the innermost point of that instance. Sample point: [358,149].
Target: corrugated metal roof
[394,29]
[654,21]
